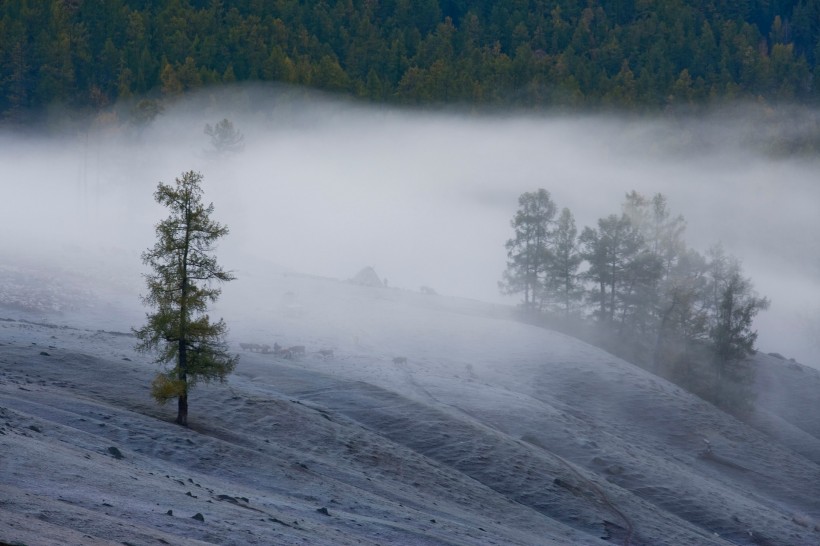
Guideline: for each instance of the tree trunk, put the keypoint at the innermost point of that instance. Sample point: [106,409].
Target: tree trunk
[182,401]
[660,339]
[182,410]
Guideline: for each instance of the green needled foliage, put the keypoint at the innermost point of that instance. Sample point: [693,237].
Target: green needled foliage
[564,53]
[182,282]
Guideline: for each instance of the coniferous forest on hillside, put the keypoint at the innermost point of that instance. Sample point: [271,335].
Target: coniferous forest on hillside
[633,54]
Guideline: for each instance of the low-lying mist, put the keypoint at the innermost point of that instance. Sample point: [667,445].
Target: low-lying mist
[325,188]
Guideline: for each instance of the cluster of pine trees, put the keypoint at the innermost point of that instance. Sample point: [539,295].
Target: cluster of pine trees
[89,53]
[636,288]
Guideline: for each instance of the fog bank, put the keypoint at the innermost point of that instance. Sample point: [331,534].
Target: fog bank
[325,188]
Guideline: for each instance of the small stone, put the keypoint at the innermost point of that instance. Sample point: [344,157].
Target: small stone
[198,517]
[169,513]
[323,511]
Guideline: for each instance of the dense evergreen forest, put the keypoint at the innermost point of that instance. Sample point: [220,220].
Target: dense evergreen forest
[526,53]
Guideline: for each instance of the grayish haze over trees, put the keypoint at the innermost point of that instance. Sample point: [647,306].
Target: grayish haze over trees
[225,138]
[528,251]
[181,284]
[631,285]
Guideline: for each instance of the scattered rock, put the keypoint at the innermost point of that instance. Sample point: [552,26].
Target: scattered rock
[198,517]
[191,494]
[566,485]
[35,428]
[367,277]
[116,453]
[323,511]
[126,359]
[614,470]
[43,353]
[227,498]
[169,513]
[800,520]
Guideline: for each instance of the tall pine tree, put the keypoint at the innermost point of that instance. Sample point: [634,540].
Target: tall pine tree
[181,284]
[528,251]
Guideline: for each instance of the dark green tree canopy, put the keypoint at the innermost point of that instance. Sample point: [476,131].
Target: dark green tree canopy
[569,52]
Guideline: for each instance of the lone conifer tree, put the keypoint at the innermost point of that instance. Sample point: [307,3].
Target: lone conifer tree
[180,286]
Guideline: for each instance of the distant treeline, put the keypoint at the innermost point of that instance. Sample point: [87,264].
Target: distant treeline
[633,286]
[624,53]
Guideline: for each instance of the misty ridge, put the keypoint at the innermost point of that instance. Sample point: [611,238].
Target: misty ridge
[325,187]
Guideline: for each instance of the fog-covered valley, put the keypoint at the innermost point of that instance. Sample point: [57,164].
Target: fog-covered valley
[326,188]
[412,417]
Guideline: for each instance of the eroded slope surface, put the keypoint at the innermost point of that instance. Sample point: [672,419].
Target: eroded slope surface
[409,419]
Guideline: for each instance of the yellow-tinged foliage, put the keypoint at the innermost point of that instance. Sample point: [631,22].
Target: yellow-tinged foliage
[165,388]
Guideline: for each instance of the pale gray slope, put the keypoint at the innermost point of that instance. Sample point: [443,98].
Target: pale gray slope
[257,468]
[490,432]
